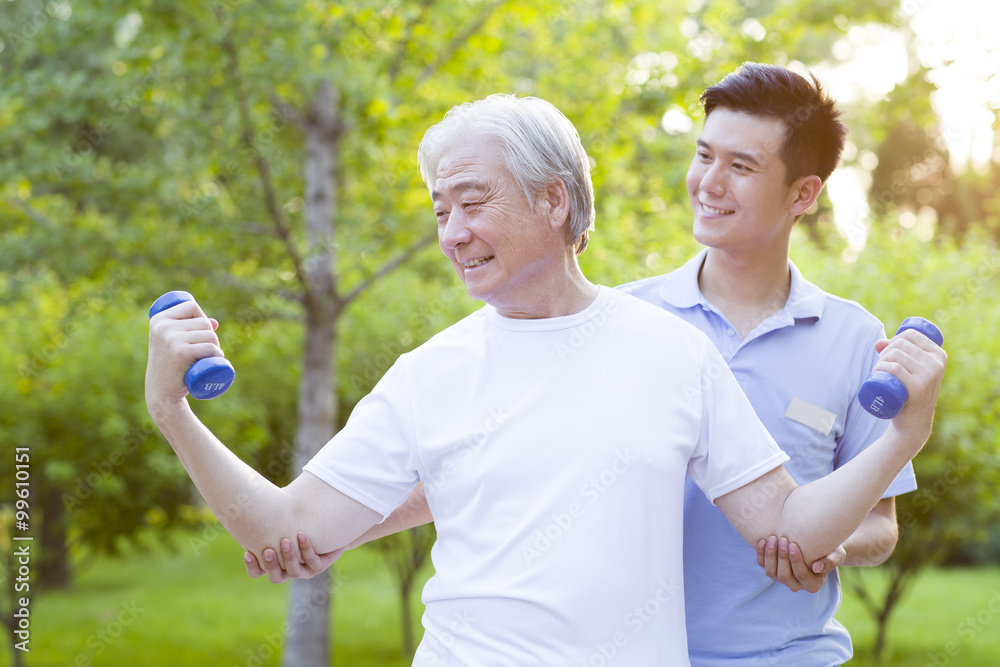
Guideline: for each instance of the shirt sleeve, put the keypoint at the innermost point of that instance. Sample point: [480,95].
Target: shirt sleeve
[734,448]
[373,458]
[861,428]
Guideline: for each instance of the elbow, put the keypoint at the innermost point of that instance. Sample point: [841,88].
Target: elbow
[875,551]
[257,523]
[883,547]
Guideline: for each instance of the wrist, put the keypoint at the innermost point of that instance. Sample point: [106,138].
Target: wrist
[165,412]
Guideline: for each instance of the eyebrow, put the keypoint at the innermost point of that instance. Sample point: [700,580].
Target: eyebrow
[461,186]
[742,155]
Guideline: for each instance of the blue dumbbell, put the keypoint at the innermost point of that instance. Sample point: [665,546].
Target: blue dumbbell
[209,377]
[882,394]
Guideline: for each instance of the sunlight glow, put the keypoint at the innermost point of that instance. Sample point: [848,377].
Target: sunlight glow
[958,42]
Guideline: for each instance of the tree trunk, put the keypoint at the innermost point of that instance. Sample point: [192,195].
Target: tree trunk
[53,563]
[308,643]
[407,617]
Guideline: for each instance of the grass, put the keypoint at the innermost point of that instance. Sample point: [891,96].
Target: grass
[950,618]
[166,607]
[177,607]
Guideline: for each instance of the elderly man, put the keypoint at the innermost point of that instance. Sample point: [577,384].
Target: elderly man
[552,429]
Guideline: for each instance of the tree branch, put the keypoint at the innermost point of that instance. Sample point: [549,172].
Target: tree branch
[43,221]
[388,267]
[459,40]
[263,168]
[404,43]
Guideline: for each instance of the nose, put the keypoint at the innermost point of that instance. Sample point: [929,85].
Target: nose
[712,181]
[455,231]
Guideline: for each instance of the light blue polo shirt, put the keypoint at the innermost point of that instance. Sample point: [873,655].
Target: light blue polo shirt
[801,369]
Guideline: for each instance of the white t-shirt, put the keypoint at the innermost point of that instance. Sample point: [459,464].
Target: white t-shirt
[553,453]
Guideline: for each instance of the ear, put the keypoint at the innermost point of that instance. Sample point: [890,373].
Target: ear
[804,193]
[555,199]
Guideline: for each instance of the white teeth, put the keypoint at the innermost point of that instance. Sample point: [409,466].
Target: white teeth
[476,262]
[715,211]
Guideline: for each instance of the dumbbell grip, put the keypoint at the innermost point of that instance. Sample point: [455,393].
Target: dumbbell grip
[209,377]
[883,394]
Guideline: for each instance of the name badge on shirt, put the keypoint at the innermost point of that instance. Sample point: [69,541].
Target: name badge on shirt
[811,415]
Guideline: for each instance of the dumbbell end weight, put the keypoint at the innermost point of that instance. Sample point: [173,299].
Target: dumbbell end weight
[883,394]
[209,377]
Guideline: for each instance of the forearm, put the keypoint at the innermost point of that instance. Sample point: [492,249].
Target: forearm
[412,513]
[875,539]
[247,504]
[828,512]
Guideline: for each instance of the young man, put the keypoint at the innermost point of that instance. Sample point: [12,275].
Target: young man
[545,469]
[770,140]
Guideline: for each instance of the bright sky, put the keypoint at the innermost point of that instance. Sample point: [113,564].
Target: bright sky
[959,41]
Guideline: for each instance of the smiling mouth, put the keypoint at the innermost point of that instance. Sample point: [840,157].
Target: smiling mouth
[473,263]
[716,211]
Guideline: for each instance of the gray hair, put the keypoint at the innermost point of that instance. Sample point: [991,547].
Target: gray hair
[538,145]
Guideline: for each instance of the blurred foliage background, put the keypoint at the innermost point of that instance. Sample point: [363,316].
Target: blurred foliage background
[153,145]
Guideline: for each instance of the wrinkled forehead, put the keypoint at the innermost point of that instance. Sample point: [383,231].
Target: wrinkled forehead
[474,164]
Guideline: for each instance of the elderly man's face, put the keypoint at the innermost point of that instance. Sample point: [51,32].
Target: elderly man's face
[503,251]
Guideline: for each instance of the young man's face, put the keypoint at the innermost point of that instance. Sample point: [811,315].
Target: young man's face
[736,183]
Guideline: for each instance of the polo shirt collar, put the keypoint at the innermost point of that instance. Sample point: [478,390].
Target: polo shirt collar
[680,289]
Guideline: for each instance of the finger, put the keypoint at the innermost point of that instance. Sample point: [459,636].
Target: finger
[199,336]
[760,551]
[272,567]
[293,569]
[181,311]
[912,350]
[806,578]
[784,574]
[917,338]
[253,567]
[771,557]
[898,359]
[311,559]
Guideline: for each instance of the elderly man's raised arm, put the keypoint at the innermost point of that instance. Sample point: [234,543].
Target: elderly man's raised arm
[822,515]
[255,511]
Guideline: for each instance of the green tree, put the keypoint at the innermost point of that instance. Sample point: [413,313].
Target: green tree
[261,156]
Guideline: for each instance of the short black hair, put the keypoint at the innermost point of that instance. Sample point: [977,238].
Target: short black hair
[814,132]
